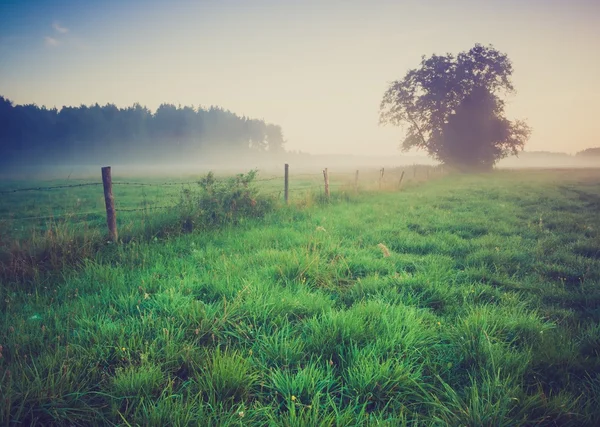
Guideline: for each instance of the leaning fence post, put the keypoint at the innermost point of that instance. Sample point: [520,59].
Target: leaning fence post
[381,171]
[400,182]
[326,178]
[287,184]
[109,201]
[356,182]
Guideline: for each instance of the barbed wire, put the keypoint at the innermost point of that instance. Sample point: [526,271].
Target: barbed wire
[302,175]
[146,184]
[305,189]
[146,208]
[71,214]
[161,184]
[385,180]
[334,174]
[151,184]
[267,179]
[17,190]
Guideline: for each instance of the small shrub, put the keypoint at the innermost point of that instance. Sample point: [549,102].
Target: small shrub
[222,201]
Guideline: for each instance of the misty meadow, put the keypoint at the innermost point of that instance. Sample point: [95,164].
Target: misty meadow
[377,221]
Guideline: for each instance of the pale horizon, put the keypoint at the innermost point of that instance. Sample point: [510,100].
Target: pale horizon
[317,69]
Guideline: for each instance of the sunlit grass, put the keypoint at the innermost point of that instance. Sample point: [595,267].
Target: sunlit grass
[485,310]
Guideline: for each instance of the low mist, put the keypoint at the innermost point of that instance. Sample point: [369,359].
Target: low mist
[74,142]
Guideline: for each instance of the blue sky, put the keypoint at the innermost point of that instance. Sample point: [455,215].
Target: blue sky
[318,68]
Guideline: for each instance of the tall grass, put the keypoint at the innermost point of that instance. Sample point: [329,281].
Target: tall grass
[62,243]
[476,313]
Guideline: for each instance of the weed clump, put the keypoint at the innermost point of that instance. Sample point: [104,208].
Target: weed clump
[218,202]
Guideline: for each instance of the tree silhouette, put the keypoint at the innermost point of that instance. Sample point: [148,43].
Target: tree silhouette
[452,108]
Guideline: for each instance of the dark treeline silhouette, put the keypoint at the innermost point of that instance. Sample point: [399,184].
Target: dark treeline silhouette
[91,134]
[590,152]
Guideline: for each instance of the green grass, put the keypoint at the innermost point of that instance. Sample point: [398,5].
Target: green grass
[464,300]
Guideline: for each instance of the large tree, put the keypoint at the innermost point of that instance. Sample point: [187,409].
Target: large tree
[453,108]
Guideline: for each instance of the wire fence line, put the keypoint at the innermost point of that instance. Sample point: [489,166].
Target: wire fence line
[71,214]
[125,183]
[146,208]
[176,183]
[159,184]
[306,175]
[151,184]
[80,214]
[268,179]
[309,178]
[18,190]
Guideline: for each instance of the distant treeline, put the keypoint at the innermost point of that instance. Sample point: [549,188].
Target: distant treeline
[588,152]
[103,133]
[595,152]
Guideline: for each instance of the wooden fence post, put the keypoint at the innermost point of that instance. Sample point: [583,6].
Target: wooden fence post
[326,177]
[287,184]
[381,172]
[109,201]
[356,182]
[400,182]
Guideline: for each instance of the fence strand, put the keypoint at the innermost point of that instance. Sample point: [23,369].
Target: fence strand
[72,214]
[267,179]
[137,184]
[146,208]
[149,184]
[18,190]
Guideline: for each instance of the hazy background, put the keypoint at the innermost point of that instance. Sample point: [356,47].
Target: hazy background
[316,68]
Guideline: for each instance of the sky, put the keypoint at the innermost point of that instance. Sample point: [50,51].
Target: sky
[317,68]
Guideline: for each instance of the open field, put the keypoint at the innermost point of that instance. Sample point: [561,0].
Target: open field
[463,300]
[79,202]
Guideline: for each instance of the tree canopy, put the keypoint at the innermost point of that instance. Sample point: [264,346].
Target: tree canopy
[98,133]
[452,107]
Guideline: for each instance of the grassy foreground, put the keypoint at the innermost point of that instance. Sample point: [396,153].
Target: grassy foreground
[469,300]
